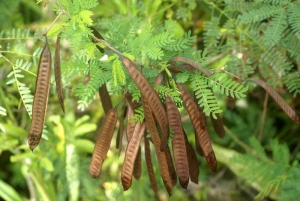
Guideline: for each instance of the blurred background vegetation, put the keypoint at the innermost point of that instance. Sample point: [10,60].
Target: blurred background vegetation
[257,158]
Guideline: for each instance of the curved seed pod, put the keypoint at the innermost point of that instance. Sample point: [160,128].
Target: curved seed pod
[150,95]
[130,125]
[279,100]
[218,125]
[103,142]
[171,167]
[57,74]
[149,165]
[178,144]
[200,128]
[161,156]
[40,100]
[105,98]
[137,169]
[191,63]
[130,155]
[192,160]
[119,138]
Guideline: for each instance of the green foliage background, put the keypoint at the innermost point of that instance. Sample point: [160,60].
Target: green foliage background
[258,157]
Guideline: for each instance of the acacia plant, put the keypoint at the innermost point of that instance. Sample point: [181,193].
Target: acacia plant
[154,71]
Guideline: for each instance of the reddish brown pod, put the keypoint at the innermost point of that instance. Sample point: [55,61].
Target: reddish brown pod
[40,100]
[130,155]
[199,126]
[103,142]
[150,95]
[178,143]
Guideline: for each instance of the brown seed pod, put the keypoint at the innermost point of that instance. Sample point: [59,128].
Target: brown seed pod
[203,119]
[137,169]
[191,63]
[105,98]
[57,74]
[218,125]
[171,167]
[130,155]
[149,165]
[178,143]
[150,95]
[279,100]
[103,142]
[130,124]
[161,156]
[192,160]
[200,128]
[40,100]
[119,138]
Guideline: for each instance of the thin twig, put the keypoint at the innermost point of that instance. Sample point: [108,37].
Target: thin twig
[263,118]
[61,12]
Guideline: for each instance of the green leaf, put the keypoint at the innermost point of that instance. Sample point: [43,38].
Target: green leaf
[8,193]
[46,164]
[86,17]
[84,145]
[55,30]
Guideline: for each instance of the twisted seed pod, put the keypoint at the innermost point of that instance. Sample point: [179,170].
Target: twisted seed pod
[200,128]
[192,160]
[57,74]
[150,95]
[161,156]
[178,143]
[149,165]
[218,125]
[40,100]
[130,155]
[103,142]
[137,169]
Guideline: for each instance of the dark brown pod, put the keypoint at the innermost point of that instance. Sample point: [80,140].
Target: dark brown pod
[137,169]
[105,98]
[218,125]
[171,167]
[199,126]
[57,74]
[40,100]
[192,160]
[149,165]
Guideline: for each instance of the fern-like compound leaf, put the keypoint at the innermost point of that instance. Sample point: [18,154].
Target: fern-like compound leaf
[222,83]
[206,97]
